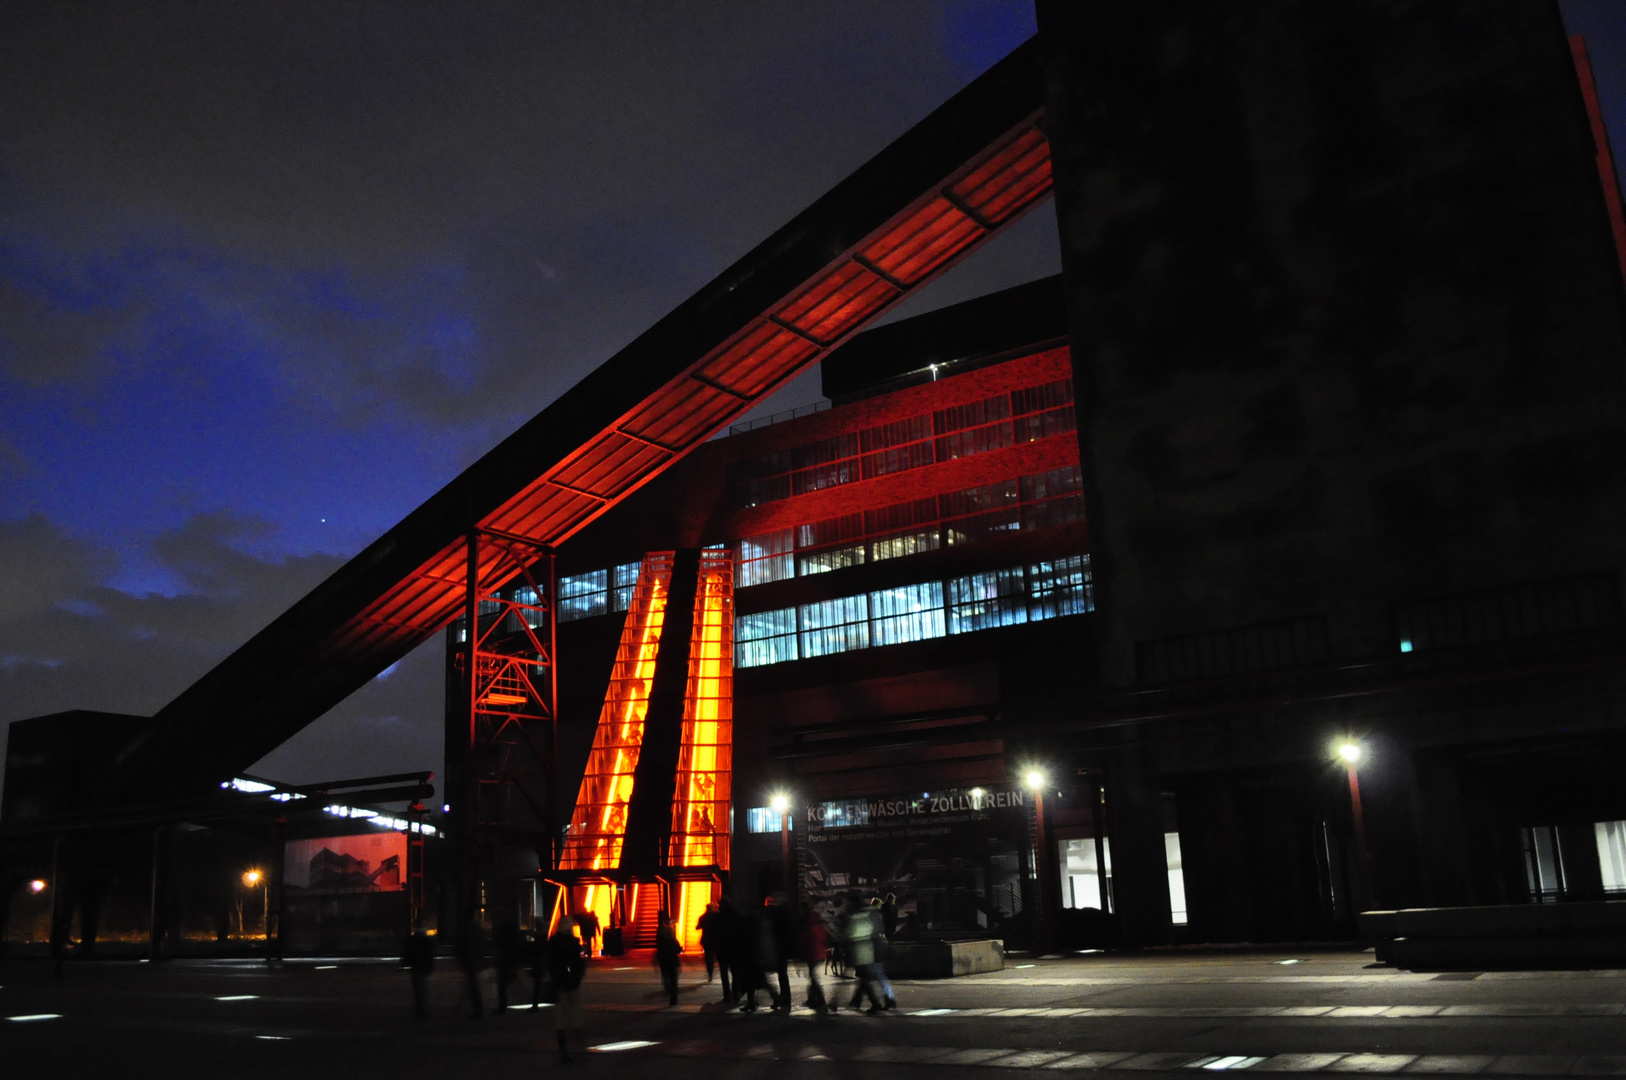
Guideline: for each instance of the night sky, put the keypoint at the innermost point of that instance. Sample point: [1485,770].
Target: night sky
[271,274]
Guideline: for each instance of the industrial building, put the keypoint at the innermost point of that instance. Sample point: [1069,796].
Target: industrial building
[1260,569]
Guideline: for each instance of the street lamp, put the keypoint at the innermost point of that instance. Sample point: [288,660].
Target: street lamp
[36,886]
[781,806]
[1035,780]
[1351,753]
[252,878]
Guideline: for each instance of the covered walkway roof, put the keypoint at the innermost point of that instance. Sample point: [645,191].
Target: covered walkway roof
[952,181]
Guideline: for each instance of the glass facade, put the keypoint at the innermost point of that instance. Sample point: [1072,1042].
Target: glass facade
[582,596]
[1029,593]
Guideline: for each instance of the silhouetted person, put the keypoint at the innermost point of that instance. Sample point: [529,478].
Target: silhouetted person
[813,945]
[588,921]
[471,957]
[753,955]
[419,958]
[730,930]
[668,950]
[506,942]
[883,949]
[889,915]
[782,928]
[566,969]
[536,952]
[710,934]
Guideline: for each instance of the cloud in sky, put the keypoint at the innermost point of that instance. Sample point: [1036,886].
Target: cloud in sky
[272,275]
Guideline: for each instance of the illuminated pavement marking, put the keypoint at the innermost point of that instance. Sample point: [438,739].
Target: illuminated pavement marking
[1201,1012]
[1010,1058]
[34,1016]
[238,997]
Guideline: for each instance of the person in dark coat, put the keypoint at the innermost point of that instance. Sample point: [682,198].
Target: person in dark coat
[419,959]
[753,956]
[782,929]
[566,969]
[588,922]
[729,933]
[668,950]
[710,934]
[813,945]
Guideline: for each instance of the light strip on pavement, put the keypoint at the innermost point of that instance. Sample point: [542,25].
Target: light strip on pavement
[931,1012]
[630,1044]
[238,997]
[278,1038]
[1236,1061]
[34,1016]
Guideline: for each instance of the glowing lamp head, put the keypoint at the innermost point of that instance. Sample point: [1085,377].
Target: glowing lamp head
[1349,752]
[780,804]
[1034,779]
[36,886]
[251,878]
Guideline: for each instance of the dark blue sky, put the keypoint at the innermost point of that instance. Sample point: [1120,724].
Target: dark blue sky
[272,274]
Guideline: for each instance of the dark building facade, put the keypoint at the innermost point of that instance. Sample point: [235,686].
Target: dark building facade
[1336,366]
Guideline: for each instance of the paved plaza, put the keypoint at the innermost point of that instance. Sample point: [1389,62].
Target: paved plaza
[1153,1014]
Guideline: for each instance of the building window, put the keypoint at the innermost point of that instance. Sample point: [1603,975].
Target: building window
[984,601]
[626,579]
[1177,878]
[768,557]
[1612,854]
[832,626]
[768,637]
[1019,594]
[907,613]
[1083,882]
[530,607]
[1025,415]
[762,819]
[582,596]
[1543,863]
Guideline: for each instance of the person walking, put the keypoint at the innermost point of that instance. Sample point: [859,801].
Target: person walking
[753,957]
[858,932]
[883,948]
[813,945]
[710,935]
[782,929]
[730,933]
[588,921]
[419,959]
[668,950]
[566,969]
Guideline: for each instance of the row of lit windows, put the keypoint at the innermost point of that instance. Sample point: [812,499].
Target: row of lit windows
[933,609]
[1022,416]
[960,517]
[597,592]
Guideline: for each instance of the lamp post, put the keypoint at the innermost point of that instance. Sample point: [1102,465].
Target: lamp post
[781,806]
[252,878]
[1035,781]
[1351,753]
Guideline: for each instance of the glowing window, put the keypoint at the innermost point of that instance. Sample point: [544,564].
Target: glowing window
[907,613]
[766,637]
[1060,587]
[582,596]
[626,579]
[767,557]
[987,600]
[833,626]
[762,819]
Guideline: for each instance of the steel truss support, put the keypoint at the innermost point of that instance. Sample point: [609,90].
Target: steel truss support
[503,800]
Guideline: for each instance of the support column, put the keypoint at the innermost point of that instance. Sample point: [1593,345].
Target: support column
[1140,867]
[159,896]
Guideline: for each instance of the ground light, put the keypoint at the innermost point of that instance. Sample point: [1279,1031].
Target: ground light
[36,886]
[1351,753]
[1035,780]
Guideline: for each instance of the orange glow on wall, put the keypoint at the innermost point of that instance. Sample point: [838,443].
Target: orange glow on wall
[598,825]
[705,760]
[693,896]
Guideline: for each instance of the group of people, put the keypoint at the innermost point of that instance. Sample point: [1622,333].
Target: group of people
[752,952]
